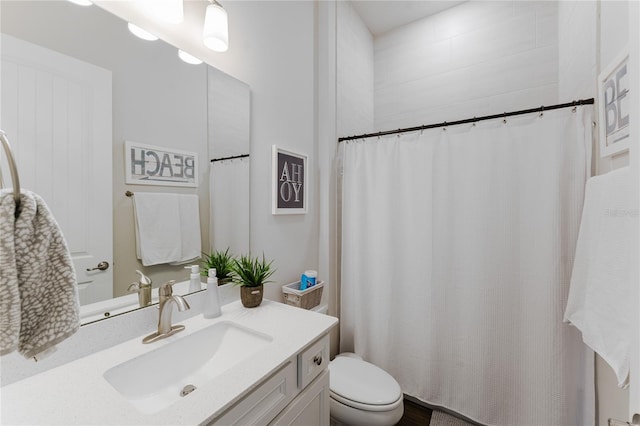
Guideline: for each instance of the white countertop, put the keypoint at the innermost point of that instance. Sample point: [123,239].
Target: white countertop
[77,393]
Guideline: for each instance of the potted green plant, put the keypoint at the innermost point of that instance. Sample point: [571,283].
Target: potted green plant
[222,261]
[251,273]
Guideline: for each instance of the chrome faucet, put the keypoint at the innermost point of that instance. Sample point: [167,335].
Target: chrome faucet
[167,300]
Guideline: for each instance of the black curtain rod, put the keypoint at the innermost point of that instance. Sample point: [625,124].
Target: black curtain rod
[589,101]
[229,158]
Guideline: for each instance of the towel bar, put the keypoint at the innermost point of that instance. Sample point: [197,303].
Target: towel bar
[15,179]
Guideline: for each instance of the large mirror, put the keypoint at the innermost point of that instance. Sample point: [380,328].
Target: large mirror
[76,84]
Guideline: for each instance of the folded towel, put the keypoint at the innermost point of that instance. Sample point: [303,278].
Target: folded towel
[167,228]
[157,227]
[599,294]
[39,306]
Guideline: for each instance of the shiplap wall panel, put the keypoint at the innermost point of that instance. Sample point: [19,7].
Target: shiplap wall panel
[473,59]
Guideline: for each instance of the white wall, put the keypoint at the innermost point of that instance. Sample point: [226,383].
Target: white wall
[590,34]
[271,48]
[634,149]
[474,59]
[326,148]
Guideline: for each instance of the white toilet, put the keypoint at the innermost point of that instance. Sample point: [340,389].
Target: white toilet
[363,394]
[360,392]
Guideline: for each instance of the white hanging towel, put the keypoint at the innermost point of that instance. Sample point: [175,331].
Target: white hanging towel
[191,240]
[599,295]
[167,228]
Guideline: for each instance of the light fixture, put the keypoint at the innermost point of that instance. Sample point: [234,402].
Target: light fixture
[139,32]
[169,11]
[215,34]
[81,2]
[190,59]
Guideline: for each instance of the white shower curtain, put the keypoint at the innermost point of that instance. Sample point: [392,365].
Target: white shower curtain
[457,247]
[229,205]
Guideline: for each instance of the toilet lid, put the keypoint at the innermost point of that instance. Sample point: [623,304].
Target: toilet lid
[362,382]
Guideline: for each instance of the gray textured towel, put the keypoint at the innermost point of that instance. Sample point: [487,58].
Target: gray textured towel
[38,289]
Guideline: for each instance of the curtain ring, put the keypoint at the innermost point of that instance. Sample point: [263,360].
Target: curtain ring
[575,108]
[444,126]
[504,120]
[474,121]
[541,111]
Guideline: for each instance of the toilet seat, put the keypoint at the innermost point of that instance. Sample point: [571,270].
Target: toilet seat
[362,385]
[366,407]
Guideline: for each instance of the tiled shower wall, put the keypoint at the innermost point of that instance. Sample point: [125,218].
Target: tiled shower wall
[354,77]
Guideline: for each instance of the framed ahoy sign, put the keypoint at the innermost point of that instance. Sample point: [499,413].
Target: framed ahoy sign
[289,182]
[156,165]
[613,106]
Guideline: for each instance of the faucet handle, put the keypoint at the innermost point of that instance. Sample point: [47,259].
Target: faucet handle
[143,280]
[166,289]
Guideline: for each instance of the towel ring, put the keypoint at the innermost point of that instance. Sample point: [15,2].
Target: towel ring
[15,178]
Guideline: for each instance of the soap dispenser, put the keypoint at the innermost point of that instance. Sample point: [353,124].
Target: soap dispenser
[194,278]
[212,298]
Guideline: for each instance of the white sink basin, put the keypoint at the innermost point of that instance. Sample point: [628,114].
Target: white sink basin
[157,379]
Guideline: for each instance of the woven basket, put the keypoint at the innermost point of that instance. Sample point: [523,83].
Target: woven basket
[305,299]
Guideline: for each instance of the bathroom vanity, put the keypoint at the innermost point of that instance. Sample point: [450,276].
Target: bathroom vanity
[266,365]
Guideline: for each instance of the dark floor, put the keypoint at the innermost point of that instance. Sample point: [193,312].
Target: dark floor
[415,415]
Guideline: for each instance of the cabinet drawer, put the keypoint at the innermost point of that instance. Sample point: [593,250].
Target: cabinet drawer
[312,361]
[265,402]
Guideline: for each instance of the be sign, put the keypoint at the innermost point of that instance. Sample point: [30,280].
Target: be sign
[614,108]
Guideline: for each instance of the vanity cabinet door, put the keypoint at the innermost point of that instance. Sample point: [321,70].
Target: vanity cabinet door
[310,408]
[264,402]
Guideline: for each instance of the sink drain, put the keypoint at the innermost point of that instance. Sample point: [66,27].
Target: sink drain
[187,390]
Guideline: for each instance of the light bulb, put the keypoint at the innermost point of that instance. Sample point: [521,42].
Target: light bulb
[139,32]
[190,59]
[215,34]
